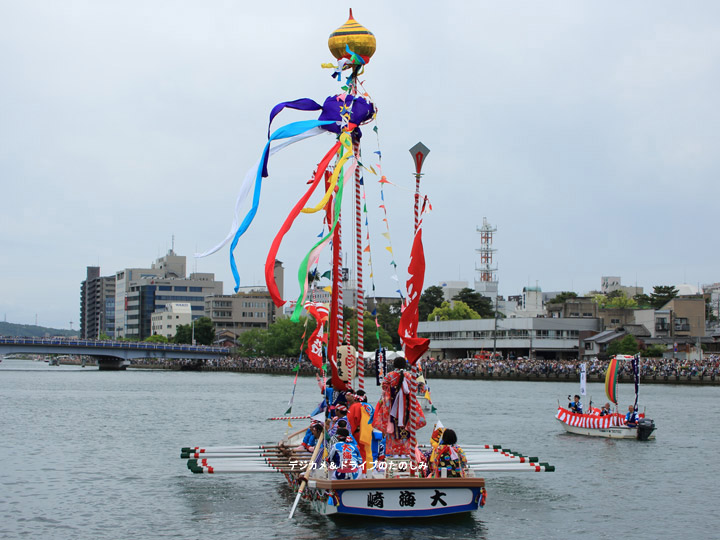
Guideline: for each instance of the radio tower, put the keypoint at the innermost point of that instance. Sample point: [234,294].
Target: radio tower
[486,281]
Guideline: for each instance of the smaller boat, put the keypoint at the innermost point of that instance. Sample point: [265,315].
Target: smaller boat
[611,426]
[602,422]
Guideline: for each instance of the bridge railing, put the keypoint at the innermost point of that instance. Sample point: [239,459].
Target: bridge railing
[90,343]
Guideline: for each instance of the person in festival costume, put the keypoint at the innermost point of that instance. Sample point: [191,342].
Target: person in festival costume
[360,416]
[392,411]
[326,389]
[340,414]
[448,456]
[342,423]
[344,457]
[605,410]
[575,406]
[428,456]
[631,418]
[312,436]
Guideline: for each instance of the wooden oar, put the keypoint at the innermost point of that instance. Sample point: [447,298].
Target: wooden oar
[266,446]
[320,442]
[532,467]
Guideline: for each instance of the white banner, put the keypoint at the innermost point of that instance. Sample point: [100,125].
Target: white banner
[407,499]
[583,379]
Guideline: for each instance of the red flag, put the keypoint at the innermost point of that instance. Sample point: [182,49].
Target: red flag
[407,329]
[319,311]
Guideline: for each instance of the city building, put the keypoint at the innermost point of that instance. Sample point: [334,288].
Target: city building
[681,317]
[578,307]
[165,321]
[451,289]
[713,292]
[610,284]
[139,292]
[528,304]
[249,309]
[97,305]
[530,337]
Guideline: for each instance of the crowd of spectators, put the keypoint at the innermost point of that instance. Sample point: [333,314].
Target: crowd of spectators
[474,367]
[670,367]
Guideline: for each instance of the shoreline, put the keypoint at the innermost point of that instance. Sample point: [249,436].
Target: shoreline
[691,380]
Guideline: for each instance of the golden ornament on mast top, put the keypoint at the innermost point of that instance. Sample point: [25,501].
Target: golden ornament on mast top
[352,34]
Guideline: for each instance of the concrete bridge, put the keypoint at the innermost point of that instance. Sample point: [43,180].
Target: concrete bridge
[110,355]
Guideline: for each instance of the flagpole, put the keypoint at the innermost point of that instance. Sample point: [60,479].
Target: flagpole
[418,152]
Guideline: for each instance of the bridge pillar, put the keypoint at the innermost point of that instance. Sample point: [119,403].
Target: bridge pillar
[111,363]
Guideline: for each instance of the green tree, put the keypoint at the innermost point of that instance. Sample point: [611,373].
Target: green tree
[389,319]
[643,301]
[156,338]
[457,311]
[626,345]
[431,298]
[620,301]
[709,314]
[480,304]
[654,351]
[349,313]
[204,332]
[662,294]
[183,334]
[560,298]
[285,338]
[600,299]
[103,337]
[371,334]
[252,343]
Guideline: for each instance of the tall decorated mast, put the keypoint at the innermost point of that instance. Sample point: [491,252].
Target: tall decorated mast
[352,45]
[414,347]
[341,114]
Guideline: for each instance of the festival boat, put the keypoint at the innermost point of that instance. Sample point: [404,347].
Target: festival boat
[386,486]
[608,424]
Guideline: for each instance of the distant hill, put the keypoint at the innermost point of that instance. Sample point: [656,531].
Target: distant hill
[30,330]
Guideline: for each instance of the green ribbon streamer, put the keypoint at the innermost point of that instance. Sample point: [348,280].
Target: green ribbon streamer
[302,271]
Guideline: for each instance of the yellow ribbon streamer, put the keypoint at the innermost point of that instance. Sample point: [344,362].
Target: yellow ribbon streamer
[346,142]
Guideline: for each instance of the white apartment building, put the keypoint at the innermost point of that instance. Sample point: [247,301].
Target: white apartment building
[165,321]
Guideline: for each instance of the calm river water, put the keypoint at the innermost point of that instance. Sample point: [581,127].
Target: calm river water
[92,454]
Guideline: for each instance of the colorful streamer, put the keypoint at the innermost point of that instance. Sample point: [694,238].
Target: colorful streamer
[611,381]
[287,131]
[272,254]
[314,253]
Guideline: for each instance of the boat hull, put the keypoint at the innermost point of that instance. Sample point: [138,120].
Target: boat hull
[616,432]
[611,426]
[396,497]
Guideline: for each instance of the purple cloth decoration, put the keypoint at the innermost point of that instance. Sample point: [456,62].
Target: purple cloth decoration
[360,112]
[302,104]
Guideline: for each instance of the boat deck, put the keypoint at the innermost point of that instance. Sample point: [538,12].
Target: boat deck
[397,483]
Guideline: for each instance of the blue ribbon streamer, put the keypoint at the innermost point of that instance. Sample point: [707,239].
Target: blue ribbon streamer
[285,132]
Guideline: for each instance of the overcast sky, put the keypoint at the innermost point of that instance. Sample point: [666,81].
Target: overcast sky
[586,132]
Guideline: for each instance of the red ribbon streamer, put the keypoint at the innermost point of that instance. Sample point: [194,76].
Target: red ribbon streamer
[272,254]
